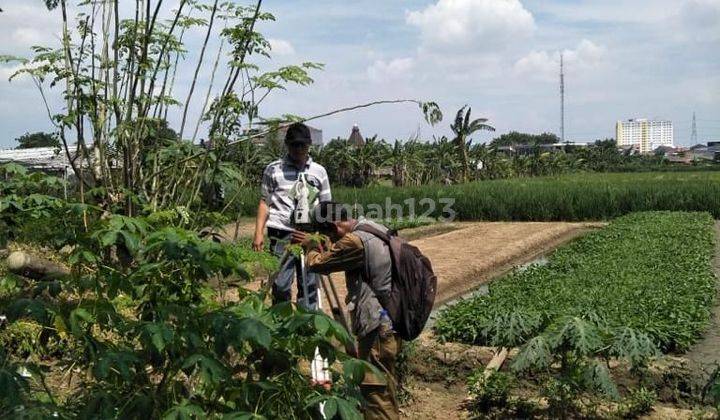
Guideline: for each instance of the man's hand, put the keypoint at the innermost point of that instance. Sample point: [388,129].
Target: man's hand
[258,242]
[326,385]
[298,237]
[262,215]
[306,240]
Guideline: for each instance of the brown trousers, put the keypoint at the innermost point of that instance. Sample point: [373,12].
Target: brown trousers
[380,348]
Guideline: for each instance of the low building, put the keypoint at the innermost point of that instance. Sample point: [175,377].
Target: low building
[531,149]
[356,139]
[646,134]
[47,159]
[696,153]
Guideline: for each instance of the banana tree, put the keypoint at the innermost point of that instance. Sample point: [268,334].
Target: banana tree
[463,128]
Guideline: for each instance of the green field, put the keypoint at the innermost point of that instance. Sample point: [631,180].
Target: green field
[582,196]
[647,271]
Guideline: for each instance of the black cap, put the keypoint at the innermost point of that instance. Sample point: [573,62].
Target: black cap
[298,133]
[328,212]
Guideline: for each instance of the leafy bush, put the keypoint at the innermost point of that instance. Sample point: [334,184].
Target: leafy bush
[488,392]
[580,349]
[647,276]
[640,401]
[408,351]
[31,211]
[153,338]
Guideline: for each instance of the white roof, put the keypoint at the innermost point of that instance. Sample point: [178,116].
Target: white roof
[37,157]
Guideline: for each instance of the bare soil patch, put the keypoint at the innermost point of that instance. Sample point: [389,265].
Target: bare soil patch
[465,258]
[467,255]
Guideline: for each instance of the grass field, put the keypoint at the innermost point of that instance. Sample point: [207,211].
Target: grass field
[648,271]
[575,197]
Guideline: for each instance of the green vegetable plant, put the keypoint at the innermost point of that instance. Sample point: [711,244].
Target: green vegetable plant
[638,402]
[572,356]
[490,391]
[650,272]
[153,339]
[642,285]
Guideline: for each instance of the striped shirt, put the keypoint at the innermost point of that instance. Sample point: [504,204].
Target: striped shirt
[278,179]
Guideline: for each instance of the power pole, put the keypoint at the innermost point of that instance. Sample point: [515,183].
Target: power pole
[693,136]
[562,100]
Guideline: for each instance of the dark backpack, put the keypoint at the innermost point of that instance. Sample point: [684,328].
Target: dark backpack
[414,284]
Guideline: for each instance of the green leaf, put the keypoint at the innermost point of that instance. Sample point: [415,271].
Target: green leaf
[348,410]
[211,370]
[131,241]
[330,408]
[115,362]
[633,345]
[322,323]
[78,315]
[253,330]
[354,370]
[598,376]
[184,411]
[12,386]
[577,335]
[534,355]
[432,112]
[243,416]
[160,335]
[108,238]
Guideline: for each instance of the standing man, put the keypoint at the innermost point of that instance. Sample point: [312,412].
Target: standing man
[366,261]
[276,208]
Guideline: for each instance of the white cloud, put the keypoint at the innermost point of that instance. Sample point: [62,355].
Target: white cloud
[536,64]
[396,68]
[28,36]
[700,19]
[544,65]
[7,71]
[25,24]
[587,54]
[281,47]
[464,24]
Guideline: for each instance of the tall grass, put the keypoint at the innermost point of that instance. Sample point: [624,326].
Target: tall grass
[585,196]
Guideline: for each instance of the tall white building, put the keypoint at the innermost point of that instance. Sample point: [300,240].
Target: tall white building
[646,135]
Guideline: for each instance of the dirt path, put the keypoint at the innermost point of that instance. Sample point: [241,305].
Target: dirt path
[466,258]
[466,255]
[706,352]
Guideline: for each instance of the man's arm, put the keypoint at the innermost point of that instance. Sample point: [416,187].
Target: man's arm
[266,188]
[325,194]
[260,220]
[344,255]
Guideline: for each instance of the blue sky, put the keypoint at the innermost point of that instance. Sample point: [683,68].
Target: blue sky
[624,59]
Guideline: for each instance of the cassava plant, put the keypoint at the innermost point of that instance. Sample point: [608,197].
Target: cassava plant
[117,67]
[572,356]
[154,340]
[136,330]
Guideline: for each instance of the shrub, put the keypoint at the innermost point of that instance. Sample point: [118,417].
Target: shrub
[488,392]
[640,401]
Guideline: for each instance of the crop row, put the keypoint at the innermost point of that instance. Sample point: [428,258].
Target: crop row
[649,271]
[580,196]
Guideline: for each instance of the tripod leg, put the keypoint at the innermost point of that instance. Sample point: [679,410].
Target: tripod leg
[303,273]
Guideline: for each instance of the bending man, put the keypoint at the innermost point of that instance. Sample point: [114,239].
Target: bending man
[366,261]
